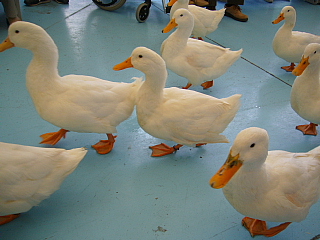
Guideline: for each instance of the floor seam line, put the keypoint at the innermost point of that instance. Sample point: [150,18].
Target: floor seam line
[69,16]
[252,63]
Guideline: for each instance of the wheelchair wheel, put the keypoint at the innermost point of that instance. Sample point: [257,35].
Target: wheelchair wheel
[109,5]
[142,12]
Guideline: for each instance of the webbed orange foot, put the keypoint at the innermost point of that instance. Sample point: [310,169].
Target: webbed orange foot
[258,227]
[207,84]
[163,149]
[8,218]
[187,86]
[105,146]
[308,129]
[200,144]
[53,137]
[289,68]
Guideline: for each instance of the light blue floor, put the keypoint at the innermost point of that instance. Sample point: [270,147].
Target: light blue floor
[127,194]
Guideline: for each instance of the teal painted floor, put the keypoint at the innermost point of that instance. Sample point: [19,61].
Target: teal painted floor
[127,194]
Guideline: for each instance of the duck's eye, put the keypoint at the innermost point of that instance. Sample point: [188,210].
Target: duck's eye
[315,52]
[288,10]
[17,31]
[181,15]
[252,145]
[140,56]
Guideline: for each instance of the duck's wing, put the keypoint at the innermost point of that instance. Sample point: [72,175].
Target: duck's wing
[206,19]
[30,174]
[296,176]
[304,38]
[191,115]
[200,54]
[98,103]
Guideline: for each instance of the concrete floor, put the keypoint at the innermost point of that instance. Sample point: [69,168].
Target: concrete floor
[127,194]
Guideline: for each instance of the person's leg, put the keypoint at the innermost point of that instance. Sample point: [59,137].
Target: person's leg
[212,4]
[234,11]
[12,10]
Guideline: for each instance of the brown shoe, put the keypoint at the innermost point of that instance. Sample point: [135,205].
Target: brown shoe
[234,12]
[201,3]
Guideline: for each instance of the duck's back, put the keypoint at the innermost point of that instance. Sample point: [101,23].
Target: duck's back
[29,175]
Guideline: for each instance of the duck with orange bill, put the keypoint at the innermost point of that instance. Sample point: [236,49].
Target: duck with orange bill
[183,116]
[288,44]
[305,92]
[273,186]
[198,61]
[73,102]
[205,21]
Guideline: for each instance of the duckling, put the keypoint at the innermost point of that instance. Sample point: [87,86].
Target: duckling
[73,102]
[184,116]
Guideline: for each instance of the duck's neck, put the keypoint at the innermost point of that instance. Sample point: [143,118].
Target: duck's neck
[289,25]
[254,177]
[180,36]
[150,94]
[309,81]
[43,68]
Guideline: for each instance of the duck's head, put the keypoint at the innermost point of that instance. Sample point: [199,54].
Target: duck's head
[287,13]
[311,55]
[143,59]
[25,35]
[181,18]
[180,1]
[250,150]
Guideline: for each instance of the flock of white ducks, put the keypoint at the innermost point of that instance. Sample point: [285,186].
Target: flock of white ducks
[264,185]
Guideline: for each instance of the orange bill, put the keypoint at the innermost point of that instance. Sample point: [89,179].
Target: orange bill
[304,63]
[226,172]
[171,25]
[6,44]
[126,64]
[172,2]
[279,19]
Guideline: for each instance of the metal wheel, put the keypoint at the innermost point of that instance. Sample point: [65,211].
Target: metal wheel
[142,12]
[109,5]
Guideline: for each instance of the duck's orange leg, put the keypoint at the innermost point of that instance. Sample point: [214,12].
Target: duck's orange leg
[105,146]
[53,137]
[187,86]
[258,227]
[289,68]
[200,144]
[207,84]
[308,129]
[163,149]
[8,218]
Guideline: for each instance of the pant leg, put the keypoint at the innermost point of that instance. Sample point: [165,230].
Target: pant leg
[12,8]
[236,2]
[212,3]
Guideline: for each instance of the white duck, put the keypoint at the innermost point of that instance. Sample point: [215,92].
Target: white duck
[196,60]
[205,21]
[74,102]
[183,116]
[276,186]
[29,175]
[287,44]
[305,92]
